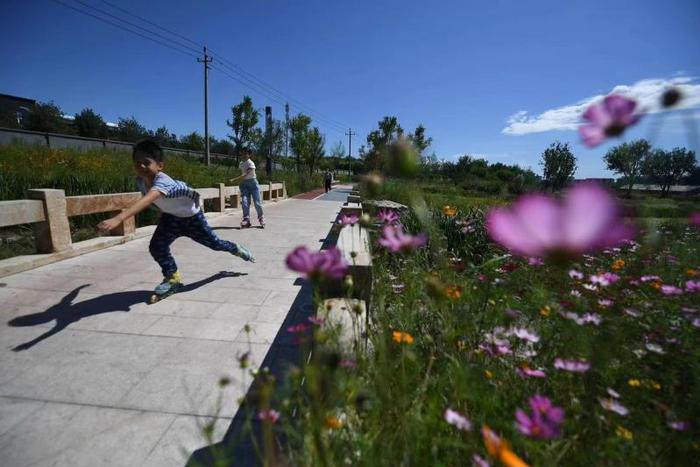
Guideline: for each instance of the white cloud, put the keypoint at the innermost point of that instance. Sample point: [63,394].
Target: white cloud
[647,93]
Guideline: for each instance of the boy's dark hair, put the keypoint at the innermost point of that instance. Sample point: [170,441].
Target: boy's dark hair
[148,148]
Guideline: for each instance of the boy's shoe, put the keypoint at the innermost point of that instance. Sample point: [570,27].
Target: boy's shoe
[245,254]
[245,223]
[261,219]
[169,284]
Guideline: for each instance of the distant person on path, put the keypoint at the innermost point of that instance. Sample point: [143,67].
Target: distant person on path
[182,214]
[328,179]
[249,188]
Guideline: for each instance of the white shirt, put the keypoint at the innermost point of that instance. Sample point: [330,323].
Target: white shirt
[244,166]
[178,198]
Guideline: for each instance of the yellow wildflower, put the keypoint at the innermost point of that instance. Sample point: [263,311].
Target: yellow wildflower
[402,337]
[623,432]
[654,384]
[635,383]
[449,211]
[499,448]
[618,264]
[333,423]
[461,344]
[545,310]
[488,374]
[453,291]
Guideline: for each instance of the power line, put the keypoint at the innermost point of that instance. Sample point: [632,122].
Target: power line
[245,78]
[124,28]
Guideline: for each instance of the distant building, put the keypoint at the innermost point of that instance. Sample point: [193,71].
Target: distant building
[20,107]
[602,181]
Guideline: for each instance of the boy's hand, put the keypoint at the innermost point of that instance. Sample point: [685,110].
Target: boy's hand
[108,225]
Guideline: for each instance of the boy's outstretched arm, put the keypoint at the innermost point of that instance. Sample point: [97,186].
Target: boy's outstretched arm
[137,207]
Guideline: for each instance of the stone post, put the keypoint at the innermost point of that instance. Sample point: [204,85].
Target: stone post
[126,228]
[53,234]
[220,202]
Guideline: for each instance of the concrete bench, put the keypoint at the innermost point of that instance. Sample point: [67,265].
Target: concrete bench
[348,318]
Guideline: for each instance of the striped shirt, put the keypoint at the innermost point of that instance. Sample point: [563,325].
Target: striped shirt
[178,198]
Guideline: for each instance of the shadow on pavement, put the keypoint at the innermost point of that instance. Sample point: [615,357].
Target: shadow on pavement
[243,437]
[66,312]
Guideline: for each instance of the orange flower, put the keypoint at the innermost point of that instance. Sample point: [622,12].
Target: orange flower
[691,272]
[498,448]
[333,423]
[449,211]
[402,337]
[618,264]
[488,374]
[453,291]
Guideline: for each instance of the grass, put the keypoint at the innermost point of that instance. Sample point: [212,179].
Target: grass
[459,294]
[96,172]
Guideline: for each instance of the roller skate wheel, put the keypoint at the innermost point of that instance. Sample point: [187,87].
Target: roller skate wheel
[154,298]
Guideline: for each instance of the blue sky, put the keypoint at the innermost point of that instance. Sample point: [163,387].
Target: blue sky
[499,79]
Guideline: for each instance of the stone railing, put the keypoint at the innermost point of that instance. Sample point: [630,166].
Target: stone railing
[49,210]
[349,315]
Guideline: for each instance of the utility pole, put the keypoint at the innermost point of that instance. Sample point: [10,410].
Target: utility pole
[350,134]
[206,63]
[268,137]
[286,130]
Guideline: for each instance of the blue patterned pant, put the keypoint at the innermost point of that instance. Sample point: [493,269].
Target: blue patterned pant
[171,227]
[250,188]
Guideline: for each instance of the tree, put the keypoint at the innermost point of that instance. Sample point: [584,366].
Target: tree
[221,146]
[164,137]
[46,117]
[261,145]
[388,131]
[129,129]
[315,149]
[299,137]
[627,160]
[419,140]
[338,150]
[194,141]
[559,165]
[245,117]
[90,124]
[666,168]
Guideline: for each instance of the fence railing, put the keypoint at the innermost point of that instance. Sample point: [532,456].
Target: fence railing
[49,209]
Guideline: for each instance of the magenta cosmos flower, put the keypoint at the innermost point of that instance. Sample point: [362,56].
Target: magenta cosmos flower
[269,415]
[457,419]
[348,220]
[545,421]
[694,219]
[387,216]
[317,265]
[607,119]
[537,225]
[574,366]
[396,240]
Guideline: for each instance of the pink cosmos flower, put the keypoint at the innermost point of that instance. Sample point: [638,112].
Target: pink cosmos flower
[613,393]
[527,372]
[604,279]
[632,312]
[317,265]
[605,302]
[348,220]
[525,334]
[694,218]
[298,328]
[396,240]
[348,363]
[607,119]
[586,318]
[589,218]
[614,406]
[318,321]
[692,286]
[535,261]
[671,290]
[649,278]
[574,274]
[574,366]
[269,415]
[388,216]
[679,425]
[478,461]
[545,421]
[457,419]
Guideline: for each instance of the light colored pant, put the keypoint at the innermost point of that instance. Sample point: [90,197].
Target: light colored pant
[250,188]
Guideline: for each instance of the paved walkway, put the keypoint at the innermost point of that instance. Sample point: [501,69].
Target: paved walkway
[91,375]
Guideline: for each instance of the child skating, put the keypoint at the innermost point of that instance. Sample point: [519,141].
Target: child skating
[250,188]
[181,216]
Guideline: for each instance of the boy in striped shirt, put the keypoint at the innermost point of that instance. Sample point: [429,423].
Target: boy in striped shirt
[182,214]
